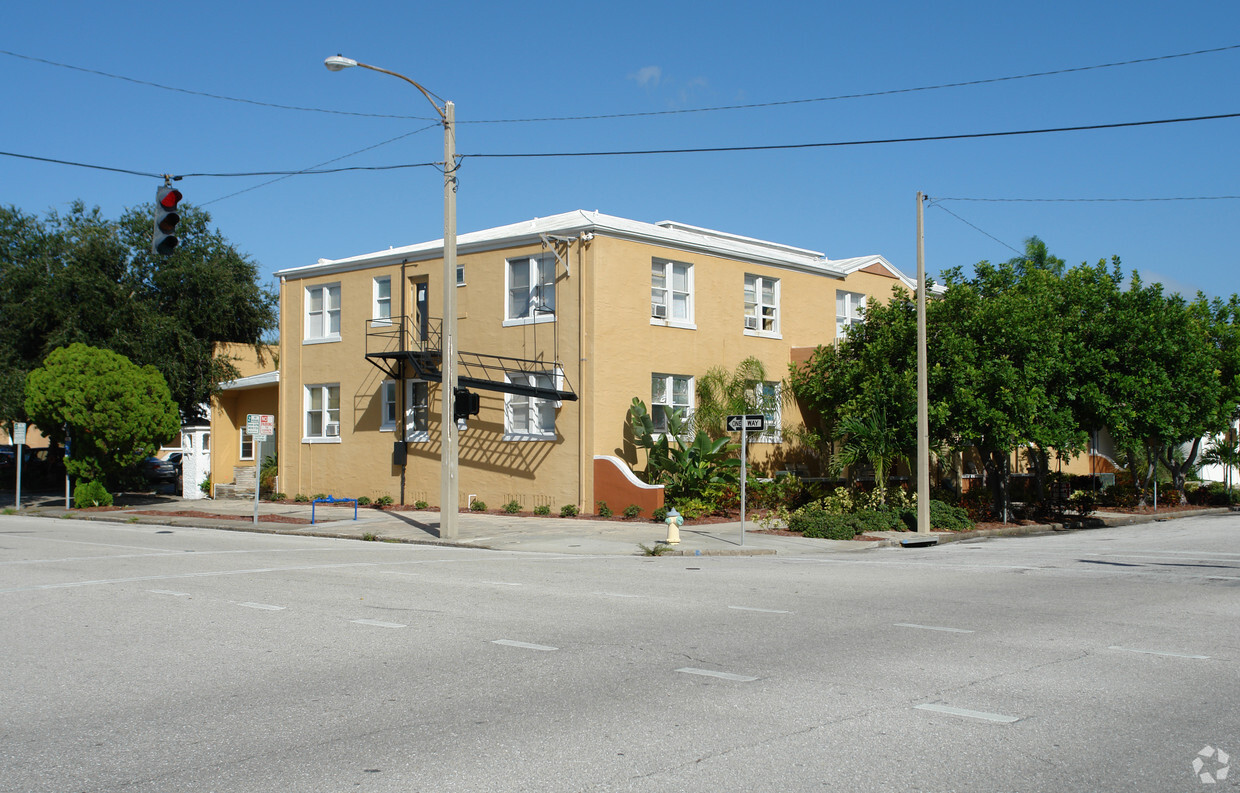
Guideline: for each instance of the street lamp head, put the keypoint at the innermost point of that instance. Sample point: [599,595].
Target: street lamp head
[337,62]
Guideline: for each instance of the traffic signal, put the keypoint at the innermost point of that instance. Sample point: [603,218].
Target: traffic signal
[165,240]
[465,404]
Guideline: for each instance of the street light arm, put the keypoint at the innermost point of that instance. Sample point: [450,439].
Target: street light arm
[338,62]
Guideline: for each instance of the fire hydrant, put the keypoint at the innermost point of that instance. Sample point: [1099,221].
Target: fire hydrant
[674,521]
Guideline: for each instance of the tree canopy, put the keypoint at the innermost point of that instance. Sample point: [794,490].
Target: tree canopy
[1030,355]
[117,412]
[78,277]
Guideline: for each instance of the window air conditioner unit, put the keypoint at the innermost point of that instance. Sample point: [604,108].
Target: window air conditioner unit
[751,323]
[333,429]
[658,311]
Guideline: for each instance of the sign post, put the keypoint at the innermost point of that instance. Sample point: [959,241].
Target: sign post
[258,426]
[19,439]
[745,423]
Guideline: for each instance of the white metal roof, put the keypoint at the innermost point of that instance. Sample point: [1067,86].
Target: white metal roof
[668,233]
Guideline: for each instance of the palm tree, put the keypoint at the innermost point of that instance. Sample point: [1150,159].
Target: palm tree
[721,393]
[870,439]
[1223,451]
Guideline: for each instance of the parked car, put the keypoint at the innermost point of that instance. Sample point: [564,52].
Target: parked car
[175,459]
[157,471]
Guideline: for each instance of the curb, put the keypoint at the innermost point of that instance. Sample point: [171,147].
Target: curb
[1056,528]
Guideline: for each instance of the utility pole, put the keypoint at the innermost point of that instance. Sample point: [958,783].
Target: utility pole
[923,413]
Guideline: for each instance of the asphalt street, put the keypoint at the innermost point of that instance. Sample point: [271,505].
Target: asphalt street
[145,658]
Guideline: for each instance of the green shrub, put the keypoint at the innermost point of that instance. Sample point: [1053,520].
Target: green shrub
[659,515]
[384,501]
[205,485]
[91,494]
[478,505]
[945,516]
[279,496]
[420,504]
[632,511]
[1084,502]
[301,498]
[512,507]
[727,495]
[363,501]
[814,520]
[320,496]
[542,509]
[692,508]
[604,511]
[568,511]
[942,516]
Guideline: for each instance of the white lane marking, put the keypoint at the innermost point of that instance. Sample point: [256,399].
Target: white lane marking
[168,592]
[379,624]
[689,670]
[71,584]
[1159,652]
[930,627]
[616,595]
[524,645]
[1156,553]
[969,714]
[1223,578]
[157,555]
[499,583]
[761,611]
[263,606]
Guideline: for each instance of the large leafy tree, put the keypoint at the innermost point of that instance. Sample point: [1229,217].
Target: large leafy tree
[1030,355]
[78,277]
[1159,371]
[116,412]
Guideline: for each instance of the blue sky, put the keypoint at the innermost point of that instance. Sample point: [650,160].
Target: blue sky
[511,60]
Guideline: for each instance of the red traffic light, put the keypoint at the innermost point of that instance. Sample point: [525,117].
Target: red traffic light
[165,241]
[170,199]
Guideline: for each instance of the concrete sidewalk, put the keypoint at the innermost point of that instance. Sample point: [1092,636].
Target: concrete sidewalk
[521,532]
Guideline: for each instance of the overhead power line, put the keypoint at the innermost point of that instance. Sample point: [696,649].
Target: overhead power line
[640,114]
[870,142]
[1091,200]
[698,150]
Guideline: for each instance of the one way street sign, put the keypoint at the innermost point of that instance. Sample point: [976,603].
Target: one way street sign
[750,422]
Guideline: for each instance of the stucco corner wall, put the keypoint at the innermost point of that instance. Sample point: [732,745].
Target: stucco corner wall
[615,484]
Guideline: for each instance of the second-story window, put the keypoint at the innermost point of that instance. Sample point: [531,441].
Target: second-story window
[671,292]
[381,313]
[531,289]
[762,305]
[849,310]
[323,312]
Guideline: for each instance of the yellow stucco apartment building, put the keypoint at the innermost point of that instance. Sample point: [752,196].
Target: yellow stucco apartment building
[562,321]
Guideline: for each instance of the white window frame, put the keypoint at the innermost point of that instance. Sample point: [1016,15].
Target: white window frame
[387,406]
[417,411]
[849,310]
[325,417]
[460,275]
[761,315]
[665,270]
[381,306]
[253,443]
[531,410]
[667,383]
[325,315]
[536,289]
[773,411]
